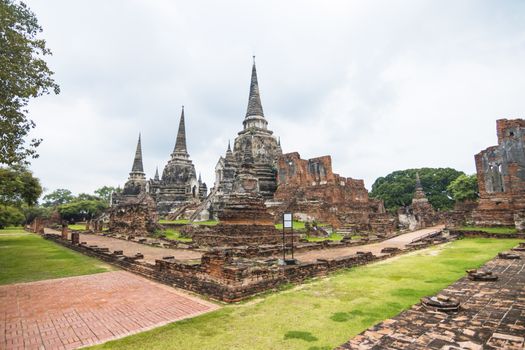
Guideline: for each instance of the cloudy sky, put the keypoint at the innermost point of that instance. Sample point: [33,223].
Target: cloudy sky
[379,85]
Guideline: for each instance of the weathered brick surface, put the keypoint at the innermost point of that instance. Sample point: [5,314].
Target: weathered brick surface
[74,312]
[312,188]
[491,316]
[501,176]
[223,275]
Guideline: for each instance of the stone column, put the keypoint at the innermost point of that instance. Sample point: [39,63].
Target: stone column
[75,238]
[65,231]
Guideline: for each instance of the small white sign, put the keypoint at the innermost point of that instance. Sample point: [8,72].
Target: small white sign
[287,220]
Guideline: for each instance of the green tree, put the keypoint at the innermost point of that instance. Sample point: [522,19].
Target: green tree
[80,210]
[23,75]
[18,186]
[10,216]
[397,188]
[105,192]
[58,197]
[464,187]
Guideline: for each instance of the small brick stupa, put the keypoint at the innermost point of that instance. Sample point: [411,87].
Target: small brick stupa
[244,220]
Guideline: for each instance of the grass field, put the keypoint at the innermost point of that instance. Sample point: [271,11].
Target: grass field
[185,222]
[502,230]
[333,237]
[26,257]
[327,312]
[174,235]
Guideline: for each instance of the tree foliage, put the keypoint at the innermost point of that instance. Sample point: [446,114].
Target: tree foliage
[23,75]
[105,192]
[57,197]
[10,216]
[18,186]
[464,187]
[397,188]
[80,210]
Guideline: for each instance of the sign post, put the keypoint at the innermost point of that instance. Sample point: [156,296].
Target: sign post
[287,224]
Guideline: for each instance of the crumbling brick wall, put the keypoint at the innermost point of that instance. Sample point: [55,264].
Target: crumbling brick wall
[311,187]
[501,176]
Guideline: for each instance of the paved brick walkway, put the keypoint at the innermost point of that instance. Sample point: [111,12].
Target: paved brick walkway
[72,312]
[492,316]
[375,248]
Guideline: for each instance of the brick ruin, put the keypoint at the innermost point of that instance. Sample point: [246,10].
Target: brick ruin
[311,190]
[134,216]
[420,213]
[244,219]
[501,178]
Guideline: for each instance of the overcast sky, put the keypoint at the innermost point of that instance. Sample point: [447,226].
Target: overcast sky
[378,85]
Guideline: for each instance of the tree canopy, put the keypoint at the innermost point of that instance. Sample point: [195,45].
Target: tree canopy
[58,197]
[23,75]
[18,186]
[464,187]
[19,190]
[397,188]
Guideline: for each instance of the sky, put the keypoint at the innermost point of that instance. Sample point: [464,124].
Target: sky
[378,85]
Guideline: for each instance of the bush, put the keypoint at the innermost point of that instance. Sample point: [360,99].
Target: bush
[10,216]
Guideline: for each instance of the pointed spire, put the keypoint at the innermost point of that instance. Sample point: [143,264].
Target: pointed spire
[229,147]
[180,144]
[200,178]
[279,141]
[418,182]
[156,178]
[137,162]
[254,101]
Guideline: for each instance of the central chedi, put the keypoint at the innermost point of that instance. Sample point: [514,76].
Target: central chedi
[178,187]
[254,140]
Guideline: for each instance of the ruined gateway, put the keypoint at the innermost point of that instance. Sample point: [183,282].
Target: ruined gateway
[501,178]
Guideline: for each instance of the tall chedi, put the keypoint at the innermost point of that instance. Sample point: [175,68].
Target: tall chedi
[178,185]
[256,140]
[259,141]
[136,183]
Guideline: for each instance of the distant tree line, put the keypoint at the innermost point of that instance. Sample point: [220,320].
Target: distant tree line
[20,191]
[442,186]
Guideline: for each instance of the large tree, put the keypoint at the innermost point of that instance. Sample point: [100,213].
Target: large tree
[58,197]
[464,188]
[397,188]
[23,75]
[18,189]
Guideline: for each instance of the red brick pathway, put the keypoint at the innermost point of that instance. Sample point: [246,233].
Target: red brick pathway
[72,312]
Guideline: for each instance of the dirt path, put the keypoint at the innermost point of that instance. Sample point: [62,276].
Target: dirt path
[131,248]
[399,242]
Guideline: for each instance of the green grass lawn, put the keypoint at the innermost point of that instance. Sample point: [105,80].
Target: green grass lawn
[186,221]
[26,257]
[174,235]
[326,312]
[502,230]
[77,227]
[335,237]
[297,225]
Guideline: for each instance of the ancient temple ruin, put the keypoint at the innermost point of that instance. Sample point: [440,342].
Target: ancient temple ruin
[501,177]
[311,190]
[420,213]
[244,218]
[178,187]
[256,139]
[136,183]
[133,211]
